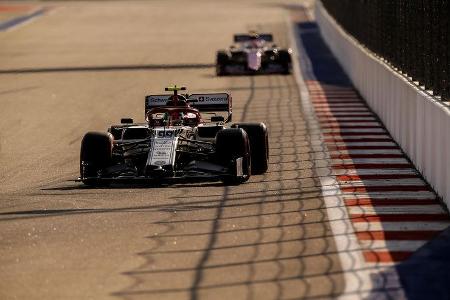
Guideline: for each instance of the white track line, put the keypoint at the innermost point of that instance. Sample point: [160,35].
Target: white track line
[373,136]
[344,113]
[392,245]
[366,143]
[391,195]
[358,280]
[396,209]
[352,124]
[369,161]
[45,11]
[375,171]
[340,105]
[401,226]
[373,151]
[345,119]
[383,182]
[354,130]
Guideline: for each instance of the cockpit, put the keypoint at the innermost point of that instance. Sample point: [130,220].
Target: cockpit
[173,116]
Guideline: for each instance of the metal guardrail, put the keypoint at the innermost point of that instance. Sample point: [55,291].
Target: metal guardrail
[412,35]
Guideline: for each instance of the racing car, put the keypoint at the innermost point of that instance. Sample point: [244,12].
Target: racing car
[184,136]
[253,53]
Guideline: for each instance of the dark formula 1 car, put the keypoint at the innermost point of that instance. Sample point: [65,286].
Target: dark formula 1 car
[184,137]
[252,54]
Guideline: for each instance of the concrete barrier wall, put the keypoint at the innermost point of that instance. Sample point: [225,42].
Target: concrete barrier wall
[419,123]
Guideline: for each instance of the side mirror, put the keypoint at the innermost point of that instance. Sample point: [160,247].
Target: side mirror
[217,119]
[126,121]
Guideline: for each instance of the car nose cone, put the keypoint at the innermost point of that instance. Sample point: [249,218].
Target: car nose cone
[254,60]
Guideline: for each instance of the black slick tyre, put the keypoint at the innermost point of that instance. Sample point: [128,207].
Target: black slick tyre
[285,61]
[233,143]
[95,154]
[259,144]
[221,63]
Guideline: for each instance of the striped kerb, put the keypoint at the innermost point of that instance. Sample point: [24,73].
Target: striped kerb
[393,211]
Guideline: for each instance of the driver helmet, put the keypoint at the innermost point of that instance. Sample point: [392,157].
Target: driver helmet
[190,119]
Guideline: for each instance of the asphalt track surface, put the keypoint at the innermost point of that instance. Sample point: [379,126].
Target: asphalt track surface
[83,66]
[71,67]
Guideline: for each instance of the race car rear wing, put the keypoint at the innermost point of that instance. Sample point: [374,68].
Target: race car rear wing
[215,102]
[239,38]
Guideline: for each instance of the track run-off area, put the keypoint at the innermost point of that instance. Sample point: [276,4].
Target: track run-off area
[340,212]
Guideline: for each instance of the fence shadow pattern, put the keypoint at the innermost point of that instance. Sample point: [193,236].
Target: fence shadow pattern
[394,212]
[266,239]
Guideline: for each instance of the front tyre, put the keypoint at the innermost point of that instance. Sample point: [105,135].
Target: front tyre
[95,155]
[259,144]
[233,146]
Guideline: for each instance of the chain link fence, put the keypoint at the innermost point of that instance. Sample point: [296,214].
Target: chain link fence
[411,35]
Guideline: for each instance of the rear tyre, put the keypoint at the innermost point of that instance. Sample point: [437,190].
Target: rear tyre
[285,61]
[259,144]
[231,144]
[95,155]
[221,63]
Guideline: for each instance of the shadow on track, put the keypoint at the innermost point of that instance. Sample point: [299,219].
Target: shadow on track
[277,217]
[114,68]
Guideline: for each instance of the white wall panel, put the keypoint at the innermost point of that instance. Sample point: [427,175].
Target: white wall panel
[419,123]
